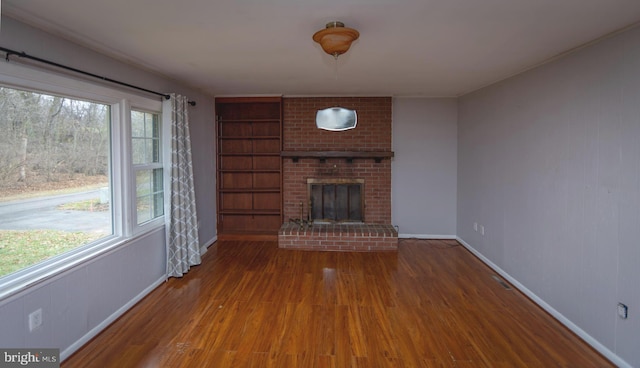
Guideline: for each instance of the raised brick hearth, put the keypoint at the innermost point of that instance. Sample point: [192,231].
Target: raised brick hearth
[339,237]
[372,134]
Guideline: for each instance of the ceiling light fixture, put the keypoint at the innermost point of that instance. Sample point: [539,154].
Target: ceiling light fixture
[336,39]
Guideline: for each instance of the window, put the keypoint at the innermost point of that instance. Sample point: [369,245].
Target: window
[55,191]
[147,164]
[74,182]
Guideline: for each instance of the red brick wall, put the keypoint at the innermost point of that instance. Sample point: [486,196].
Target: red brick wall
[358,238]
[373,133]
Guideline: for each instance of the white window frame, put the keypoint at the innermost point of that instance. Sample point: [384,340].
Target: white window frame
[123,210]
[157,221]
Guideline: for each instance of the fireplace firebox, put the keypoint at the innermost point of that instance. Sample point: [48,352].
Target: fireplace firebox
[336,200]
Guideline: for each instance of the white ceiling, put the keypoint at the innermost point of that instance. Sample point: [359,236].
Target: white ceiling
[430,48]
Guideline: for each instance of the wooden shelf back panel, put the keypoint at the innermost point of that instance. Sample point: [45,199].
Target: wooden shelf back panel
[236,146]
[250,201]
[250,223]
[266,129]
[236,162]
[266,201]
[249,111]
[266,146]
[266,162]
[231,201]
[236,181]
[228,129]
[266,180]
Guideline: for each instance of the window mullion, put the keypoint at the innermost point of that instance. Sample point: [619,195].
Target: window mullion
[127,197]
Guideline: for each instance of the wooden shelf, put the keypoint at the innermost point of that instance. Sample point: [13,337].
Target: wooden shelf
[378,156]
[249,100]
[250,138]
[257,171]
[249,170]
[277,154]
[250,190]
[250,212]
[249,236]
[249,120]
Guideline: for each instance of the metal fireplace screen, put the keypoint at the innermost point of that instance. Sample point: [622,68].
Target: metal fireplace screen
[339,201]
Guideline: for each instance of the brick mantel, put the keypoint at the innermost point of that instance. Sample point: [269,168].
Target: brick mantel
[348,155]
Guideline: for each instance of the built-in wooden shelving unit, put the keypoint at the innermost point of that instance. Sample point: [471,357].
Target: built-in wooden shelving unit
[249,171]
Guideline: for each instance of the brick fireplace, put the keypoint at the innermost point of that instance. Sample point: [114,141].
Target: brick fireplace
[361,155]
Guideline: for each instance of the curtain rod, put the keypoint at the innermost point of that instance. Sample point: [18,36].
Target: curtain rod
[23,54]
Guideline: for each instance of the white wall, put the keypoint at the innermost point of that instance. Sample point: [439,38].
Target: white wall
[423,172]
[82,300]
[549,164]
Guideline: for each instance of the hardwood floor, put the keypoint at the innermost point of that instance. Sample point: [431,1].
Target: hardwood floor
[250,304]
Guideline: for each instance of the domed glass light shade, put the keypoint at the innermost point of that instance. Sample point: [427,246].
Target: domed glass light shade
[336,39]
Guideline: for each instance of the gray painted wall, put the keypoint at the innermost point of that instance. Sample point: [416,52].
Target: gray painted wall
[423,172]
[549,164]
[82,299]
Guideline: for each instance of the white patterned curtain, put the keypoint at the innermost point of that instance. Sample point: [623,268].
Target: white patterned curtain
[183,248]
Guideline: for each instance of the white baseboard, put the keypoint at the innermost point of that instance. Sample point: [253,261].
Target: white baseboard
[426,236]
[206,245]
[99,328]
[557,315]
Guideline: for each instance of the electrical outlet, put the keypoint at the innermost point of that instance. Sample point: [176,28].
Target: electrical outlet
[35,319]
[475,226]
[622,311]
[481,229]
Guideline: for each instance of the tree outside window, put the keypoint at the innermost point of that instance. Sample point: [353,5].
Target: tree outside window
[55,188]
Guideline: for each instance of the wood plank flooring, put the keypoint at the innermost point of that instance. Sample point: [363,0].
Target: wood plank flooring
[250,304]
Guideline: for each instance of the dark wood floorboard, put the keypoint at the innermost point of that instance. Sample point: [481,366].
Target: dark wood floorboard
[250,304]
